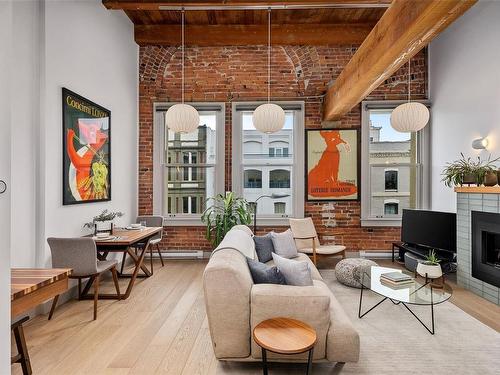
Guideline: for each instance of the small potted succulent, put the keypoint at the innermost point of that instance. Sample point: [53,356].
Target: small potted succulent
[430,268]
[103,222]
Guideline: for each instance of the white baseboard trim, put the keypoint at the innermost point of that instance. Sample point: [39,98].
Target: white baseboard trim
[185,254]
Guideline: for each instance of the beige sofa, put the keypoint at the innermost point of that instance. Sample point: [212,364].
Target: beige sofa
[235,305]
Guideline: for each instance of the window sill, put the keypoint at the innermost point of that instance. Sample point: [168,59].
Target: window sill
[381,222]
[182,222]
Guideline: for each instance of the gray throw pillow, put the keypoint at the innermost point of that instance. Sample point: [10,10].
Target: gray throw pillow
[296,272]
[264,247]
[264,274]
[284,244]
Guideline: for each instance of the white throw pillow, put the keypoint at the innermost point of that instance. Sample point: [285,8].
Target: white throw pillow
[284,244]
[296,272]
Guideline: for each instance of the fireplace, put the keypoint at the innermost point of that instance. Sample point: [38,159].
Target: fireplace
[486,247]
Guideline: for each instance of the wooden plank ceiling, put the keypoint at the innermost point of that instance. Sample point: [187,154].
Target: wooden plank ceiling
[390,32]
[342,22]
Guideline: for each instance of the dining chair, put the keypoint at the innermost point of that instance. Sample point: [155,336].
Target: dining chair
[80,254]
[151,221]
[307,241]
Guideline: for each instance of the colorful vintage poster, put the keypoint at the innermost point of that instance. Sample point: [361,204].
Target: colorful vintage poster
[332,164]
[86,150]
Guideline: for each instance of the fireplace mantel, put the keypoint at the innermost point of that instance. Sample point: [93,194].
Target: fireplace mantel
[478,189]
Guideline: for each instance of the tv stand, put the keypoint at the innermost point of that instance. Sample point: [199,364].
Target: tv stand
[421,251]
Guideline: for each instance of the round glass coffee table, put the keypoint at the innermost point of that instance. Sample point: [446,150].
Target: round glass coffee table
[418,292]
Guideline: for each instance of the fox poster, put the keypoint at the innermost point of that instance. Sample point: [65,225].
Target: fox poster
[86,150]
[332,164]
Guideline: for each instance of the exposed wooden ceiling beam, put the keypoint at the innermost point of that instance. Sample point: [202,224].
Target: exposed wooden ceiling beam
[224,35]
[404,29]
[221,4]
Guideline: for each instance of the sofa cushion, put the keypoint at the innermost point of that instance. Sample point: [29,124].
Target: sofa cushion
[264,274]
[295,272]
[284,244]
[264,247]
[304,258]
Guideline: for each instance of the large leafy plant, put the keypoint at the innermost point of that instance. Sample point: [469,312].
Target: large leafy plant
[454,173]
[224,213]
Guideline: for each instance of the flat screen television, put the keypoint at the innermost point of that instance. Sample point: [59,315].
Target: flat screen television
[430,229]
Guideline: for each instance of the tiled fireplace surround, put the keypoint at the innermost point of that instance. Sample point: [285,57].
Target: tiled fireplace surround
[467,202]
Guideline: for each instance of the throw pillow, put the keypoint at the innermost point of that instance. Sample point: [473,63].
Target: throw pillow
[296,272]
[284,244]
[264,274]
[264,247]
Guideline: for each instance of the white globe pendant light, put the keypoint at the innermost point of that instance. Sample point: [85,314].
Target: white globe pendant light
[268,118]
[411,116]
[182,118]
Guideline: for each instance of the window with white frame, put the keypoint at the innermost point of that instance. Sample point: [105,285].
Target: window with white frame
[394,167]
[263,164]
[188,169]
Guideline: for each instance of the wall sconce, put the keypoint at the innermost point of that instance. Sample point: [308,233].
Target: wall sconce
[480,143]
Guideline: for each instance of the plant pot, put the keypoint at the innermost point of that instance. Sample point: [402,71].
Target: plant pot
[490,178]
[432,271]
[498,176]
[103,226]
[469,179]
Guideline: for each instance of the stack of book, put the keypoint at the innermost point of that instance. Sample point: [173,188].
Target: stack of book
[395,279]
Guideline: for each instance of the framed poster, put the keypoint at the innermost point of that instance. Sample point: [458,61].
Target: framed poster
[86,150]
[332,164]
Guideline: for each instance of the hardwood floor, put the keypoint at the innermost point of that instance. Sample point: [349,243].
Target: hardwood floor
[161,329]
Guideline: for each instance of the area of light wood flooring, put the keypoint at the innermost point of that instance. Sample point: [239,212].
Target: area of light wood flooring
[161,329]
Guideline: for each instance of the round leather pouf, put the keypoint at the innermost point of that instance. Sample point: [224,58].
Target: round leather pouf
[348,271]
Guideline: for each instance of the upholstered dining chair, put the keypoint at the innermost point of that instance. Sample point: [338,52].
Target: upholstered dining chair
[307,240]
[151,221]
[80,254]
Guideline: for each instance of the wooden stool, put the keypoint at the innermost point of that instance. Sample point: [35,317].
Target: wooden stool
[285,336]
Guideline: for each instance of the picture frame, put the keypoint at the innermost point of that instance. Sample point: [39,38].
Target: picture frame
[86,159]
[332,165]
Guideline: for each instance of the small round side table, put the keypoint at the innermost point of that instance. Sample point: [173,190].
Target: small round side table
[285,336]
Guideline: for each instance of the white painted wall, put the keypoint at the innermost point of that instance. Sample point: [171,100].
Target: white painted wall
[89,50]
[5,137]
[465,92]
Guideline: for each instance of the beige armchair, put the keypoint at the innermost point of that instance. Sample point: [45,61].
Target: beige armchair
[307,240]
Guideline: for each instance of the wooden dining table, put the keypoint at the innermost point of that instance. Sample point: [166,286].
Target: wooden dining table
[125,241]
[29,287]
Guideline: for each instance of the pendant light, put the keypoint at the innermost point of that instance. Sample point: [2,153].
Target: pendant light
[182,118]
[268,118]
[411,116]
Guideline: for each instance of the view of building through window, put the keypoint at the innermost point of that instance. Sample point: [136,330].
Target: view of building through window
[190,177]
[393,163]
[268,165]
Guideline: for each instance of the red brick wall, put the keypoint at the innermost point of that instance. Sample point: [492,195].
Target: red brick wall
[226,74]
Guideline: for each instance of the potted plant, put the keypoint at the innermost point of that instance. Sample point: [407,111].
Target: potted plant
[459,172]
[224,213]
[486,171]
[103,221]
[430,268]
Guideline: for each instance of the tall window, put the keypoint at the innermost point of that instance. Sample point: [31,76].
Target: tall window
[394,167]
[391,180]
[276,169]
[253,179]
[279,179]
[192,164]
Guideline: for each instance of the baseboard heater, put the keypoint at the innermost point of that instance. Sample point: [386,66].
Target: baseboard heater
[195,254]
[375,254]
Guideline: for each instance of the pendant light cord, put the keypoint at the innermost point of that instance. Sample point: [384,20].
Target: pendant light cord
[409,79]
[269,54]
[182,41]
